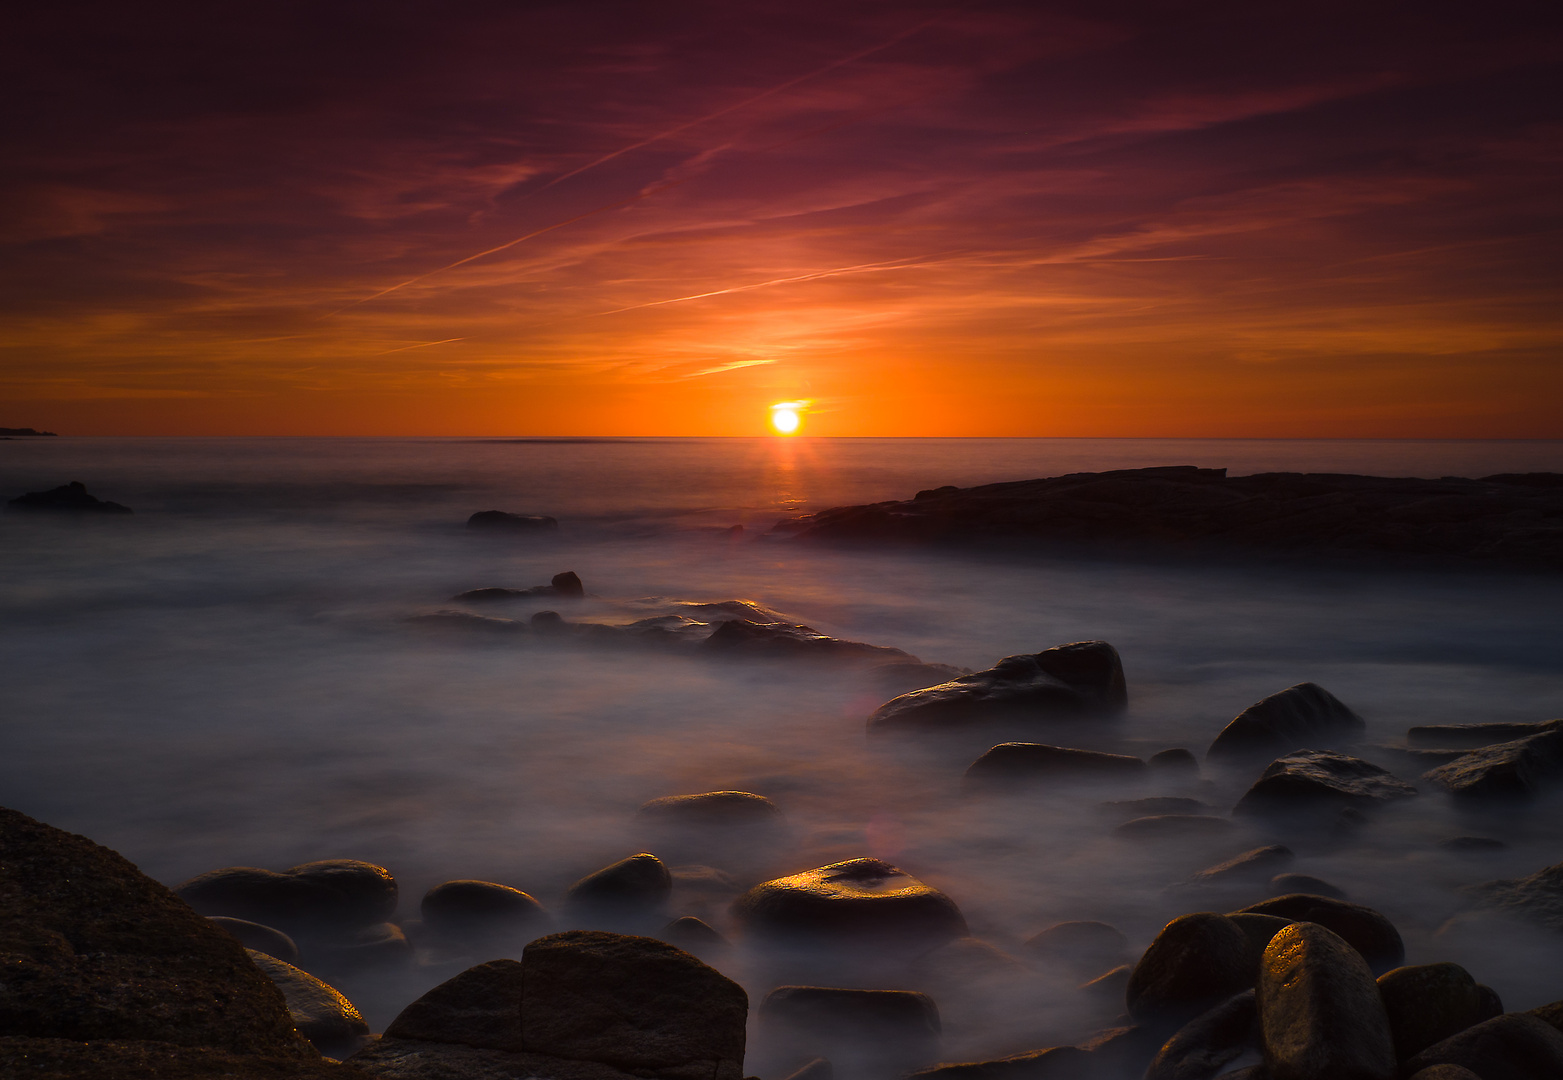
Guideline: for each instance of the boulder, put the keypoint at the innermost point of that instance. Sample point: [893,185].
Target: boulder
[1018,764]
[1259,862]
[902,677]
[321,1014]
[101,958]
[863,903]
[1159,827]
[1472,736]
[1110,985]
[694,936]
[1259,929]
[482,909]
[1084,678]
[382,945]
[1427,1003]
[1364,929]
[1175,762]
[567,585]
[1195,963]
[793,641]
[501,521]
[1320,780]
[1284,884]
[1202,1046]
[1445,1072]
[319,898]
[260,938]
[630,888]
[634,1003]
[711,808]
[1514,1046]
[865,1030]
[1299,716]
[1087,944]
[370,890]
[1319,1010]
[71,498]
[481,1007]
[1537,898]
[1506,771]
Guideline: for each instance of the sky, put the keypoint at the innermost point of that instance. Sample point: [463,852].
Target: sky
[1105,218]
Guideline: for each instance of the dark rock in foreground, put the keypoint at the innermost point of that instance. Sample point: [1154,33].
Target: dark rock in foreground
[1305,715]
[1513,770]
[894,1030]
[861,903]
[1315,780]
[1319,1009]
[500,521]
[1182,509]
[1195,963]
[1514,1046]
[1428,1003]
[1364,929]
[1202,1046]
[1084,678]
[71,498]
[322,1015]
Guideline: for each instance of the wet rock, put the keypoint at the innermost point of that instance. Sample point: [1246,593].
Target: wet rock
[1320,780]
[383,945]
[901,678]
[1472,736]
[1110,985]
[1153,806]
[484,910]
[1120,1051]
[1080,679]
[1537,898]
[319,898]
[711,808]
[71,498]
[370,890]
[1175,762]
[1427,1003]
[630,888]
[873,1031]
[1016,764]
[481,1007]
[1506,771]
[694,936]
[1174,827]
[546,621]
[1552,1013]
[264,939]
[501,521]
[1319,1009]
[1256,863]
[1212,1039]
[1514,1046]
[1285,884]
[95,952]
[1084,943]
[322,1015]
[1471,845]
[633,1003]
[567,585]
[859,903]
[792,641]
[1367,931]
[1195,963]
[1259,930]
[1299,716]
[1052,1063]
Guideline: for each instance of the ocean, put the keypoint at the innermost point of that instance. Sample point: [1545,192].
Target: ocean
[230,677]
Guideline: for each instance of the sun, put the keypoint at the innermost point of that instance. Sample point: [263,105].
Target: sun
[787,417]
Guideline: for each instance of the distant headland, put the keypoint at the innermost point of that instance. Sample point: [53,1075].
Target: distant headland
[14,432]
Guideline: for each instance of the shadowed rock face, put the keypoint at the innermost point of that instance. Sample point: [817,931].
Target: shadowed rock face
[1514,1046]
[1537,898]
[1427,1003]
[1195,963]
[1024,765]
[861,903]
[502,521]
[1366,930]
[1084,678]
[1506,771]
[1310,780]
[1182,509]
[1305,715]
[1319,1009]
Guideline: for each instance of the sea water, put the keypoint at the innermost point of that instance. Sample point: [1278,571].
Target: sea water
[229,677]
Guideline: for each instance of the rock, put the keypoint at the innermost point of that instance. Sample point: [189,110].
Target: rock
[1174,827]
[1284,884]
[1112,985]
[901,678]
[1086,944]
[1053,1063]
[1537,898]
[1320,780]
[71,498]
[1202,1046]
[499,520]
[321,898]
[1299,716]
[869,1031]
[1195,963]
[967,961]
[260,938]
[546,621]
[1250,864]
[383,945]
[481,1007]
[1514,1046]
[1175,762]
[482,909]
[1319,1009]
[1552,1013]
[859,903]
[793,641]
[711,808]
[1427,1003]
[1364,929]
[1081,679]
[1472,736]
[321,1014]
[1259,929]
[96,953]
[1153,806]
[567,585]
[634,1003]
[1506,771]
[694,936]
[1121,1051]
[1471,845]
[1013,764]
[1445,1072]
[630,888]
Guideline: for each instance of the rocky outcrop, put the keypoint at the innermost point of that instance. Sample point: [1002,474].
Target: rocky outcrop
[1319,1010]
[502,521]
[1305,715]
[862,903]
[1507,771]
[1472,736]
[1081,679]
[71,498]
[1183,509]
[1022,765]
[1312,781]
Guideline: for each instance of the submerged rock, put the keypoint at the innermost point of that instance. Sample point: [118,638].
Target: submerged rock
[1174,827]
[636,887]
[1537,898]
[264,939]
[1019,764]
[567,585]
[1319,1009]
[861,903]
[872,1031]
[1250,864]
[694,936]
[320,1012]
[1081,679]
[789,641]
[500,520]
[71,498]
[1083,943]
[1284,884]
[1513,770]
[1315,780]
[711,808]
[1473,736]
[1427,1003]
[333,895]
[1178,761]
[1299,716]
[1364,929]
[482,910]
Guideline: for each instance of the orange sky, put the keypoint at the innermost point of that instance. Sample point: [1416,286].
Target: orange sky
[984,219]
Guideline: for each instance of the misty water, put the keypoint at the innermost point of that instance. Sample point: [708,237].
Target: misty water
[230,677]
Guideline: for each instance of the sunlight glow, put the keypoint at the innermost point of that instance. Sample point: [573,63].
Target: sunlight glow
[786,417]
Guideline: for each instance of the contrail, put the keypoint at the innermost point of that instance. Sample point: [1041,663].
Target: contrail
[420,345]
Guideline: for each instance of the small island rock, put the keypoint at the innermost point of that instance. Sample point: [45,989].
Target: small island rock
[858,903]
[1299,716]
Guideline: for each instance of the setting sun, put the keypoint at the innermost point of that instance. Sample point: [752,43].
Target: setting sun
[785,417]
